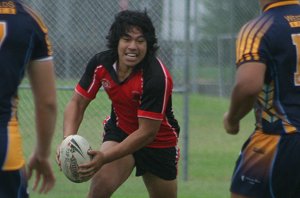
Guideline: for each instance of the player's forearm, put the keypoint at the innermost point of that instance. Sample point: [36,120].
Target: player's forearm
[131,144]
[73,116]
[241,104]
[249,83]
[143,136]
[45,126]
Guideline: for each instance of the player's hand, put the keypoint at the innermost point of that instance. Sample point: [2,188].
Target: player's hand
[57,157]
[89,169]
[230,127]
[43,173]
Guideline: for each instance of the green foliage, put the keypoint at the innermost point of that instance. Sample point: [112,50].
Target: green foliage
[217,26]
[226,16]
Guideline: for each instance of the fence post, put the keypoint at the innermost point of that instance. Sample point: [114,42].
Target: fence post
[186,91]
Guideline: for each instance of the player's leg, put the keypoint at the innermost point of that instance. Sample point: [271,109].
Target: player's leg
[13,184]
[253,169]
[158,166]
[160,188]
[286,172]
[106,181]
[233,195]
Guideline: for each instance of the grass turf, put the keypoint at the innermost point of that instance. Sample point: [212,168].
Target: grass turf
[211,152]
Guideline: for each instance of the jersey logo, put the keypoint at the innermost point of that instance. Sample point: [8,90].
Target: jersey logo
[135,96]
[8,7]
[105,83]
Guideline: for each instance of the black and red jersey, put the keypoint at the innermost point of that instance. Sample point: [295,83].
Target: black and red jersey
[146,93]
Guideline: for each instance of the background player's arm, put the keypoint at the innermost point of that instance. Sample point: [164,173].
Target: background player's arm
[249,82]
[42,80]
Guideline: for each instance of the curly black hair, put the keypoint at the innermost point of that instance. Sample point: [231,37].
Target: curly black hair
[127,19]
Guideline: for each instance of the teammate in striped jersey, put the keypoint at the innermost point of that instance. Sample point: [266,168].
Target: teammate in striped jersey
[24,46]
[268,79]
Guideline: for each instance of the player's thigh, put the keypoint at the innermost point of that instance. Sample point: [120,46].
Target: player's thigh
[233,195]
[286,172]
[160,188]
[113,174]
[254,166]
[13,184]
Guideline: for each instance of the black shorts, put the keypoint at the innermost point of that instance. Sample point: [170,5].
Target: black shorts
[13,184]
[268,167]
[161,162]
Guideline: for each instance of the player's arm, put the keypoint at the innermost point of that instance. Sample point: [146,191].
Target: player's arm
[73,116]
[74,113]
[249,82]
[144,135]
[42,80]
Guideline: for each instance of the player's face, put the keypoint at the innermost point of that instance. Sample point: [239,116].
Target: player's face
[132,48]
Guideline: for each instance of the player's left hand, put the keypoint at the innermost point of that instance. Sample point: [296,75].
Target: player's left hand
[57,156]
[230,127]
[89,169]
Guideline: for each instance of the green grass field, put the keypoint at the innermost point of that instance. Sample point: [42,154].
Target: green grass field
[211,155]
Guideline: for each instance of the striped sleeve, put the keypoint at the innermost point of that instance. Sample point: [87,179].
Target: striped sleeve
[250,38]
[157,89]
[42,47]
[90,82]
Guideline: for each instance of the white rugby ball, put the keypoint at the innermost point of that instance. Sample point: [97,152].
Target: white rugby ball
[73,152]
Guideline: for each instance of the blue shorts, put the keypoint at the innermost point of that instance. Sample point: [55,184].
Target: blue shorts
[13,184]
[268,167]
[162,162]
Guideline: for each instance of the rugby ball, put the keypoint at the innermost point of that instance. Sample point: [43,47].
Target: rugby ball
[74,152]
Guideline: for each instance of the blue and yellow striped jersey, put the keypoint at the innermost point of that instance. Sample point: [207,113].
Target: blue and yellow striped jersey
[23,37]
[273,38]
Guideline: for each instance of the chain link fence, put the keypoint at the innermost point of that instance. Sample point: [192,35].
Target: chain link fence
[78,29]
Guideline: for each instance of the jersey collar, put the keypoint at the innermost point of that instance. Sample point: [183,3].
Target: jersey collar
[280,3]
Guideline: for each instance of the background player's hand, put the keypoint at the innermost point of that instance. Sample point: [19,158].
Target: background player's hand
[89,169]
[230,127]
[43,173]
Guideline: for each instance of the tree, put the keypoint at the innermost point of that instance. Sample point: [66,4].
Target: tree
[226,16]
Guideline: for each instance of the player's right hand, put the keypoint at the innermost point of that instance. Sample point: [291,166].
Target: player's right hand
[43,173]
[231,128]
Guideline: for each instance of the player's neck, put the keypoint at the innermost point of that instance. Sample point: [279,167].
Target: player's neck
[123,72]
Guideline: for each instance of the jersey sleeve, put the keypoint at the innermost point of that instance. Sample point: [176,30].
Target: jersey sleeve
[90,82]
[156,92]
[252,42]
[42,48]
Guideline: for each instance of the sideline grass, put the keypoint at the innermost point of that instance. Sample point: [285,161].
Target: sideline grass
[212,155]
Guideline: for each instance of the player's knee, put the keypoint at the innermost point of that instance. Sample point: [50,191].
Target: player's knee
[100,192]
[100,189]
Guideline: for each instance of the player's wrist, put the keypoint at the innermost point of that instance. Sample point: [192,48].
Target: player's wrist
[65,135]
[231,119]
